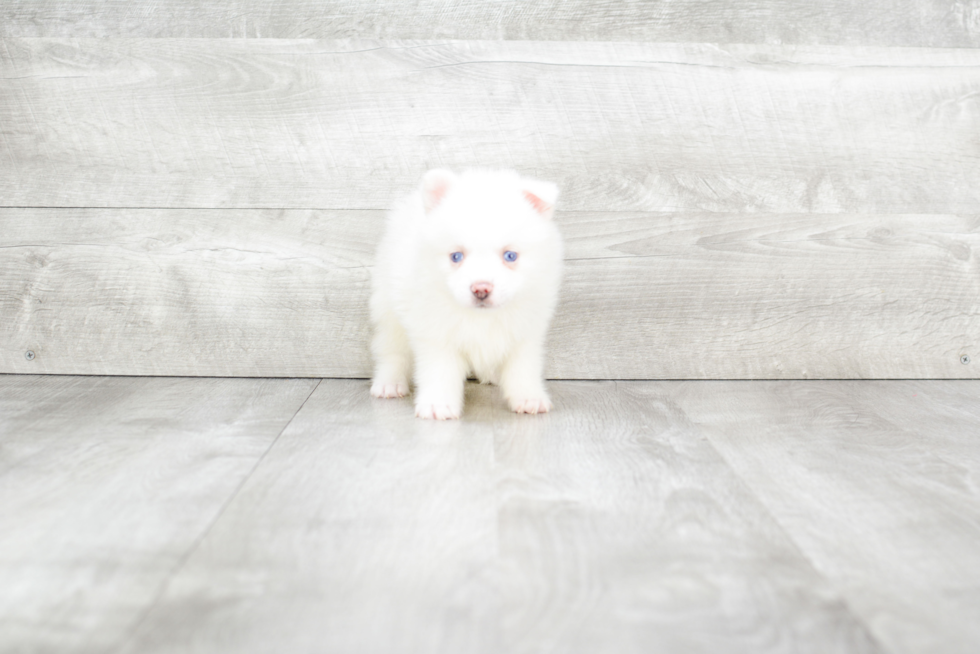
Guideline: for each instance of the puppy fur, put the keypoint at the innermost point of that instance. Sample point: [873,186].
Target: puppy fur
[484,315]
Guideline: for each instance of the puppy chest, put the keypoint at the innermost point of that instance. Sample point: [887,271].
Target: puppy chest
[485,346]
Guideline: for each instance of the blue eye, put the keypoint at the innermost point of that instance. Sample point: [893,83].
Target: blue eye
[510,255]
[456,257]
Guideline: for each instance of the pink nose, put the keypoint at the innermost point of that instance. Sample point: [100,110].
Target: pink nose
[482,290]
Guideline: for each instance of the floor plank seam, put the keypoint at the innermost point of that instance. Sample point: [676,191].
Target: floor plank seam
[841,596]
[204,532]
[547,379]
[20,462]
[154,207]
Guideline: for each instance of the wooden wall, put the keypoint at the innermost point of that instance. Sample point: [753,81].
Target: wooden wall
[750,190]
[932,23]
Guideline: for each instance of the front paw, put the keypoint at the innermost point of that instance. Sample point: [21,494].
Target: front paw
[430,411]
[530,405]
[386,389]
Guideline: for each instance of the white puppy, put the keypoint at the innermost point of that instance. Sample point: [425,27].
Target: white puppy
[465,282]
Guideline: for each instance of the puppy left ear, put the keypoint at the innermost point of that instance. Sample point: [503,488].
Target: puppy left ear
[541,195]
[435,185]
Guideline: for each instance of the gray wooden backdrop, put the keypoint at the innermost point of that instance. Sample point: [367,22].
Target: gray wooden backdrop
[784,189]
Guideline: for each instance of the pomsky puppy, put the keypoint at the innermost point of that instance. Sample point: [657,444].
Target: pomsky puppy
[466,281]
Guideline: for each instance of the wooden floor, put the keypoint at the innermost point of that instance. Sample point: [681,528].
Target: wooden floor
[254,515]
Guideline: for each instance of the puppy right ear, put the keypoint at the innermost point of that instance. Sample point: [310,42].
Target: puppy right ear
[435,185]
[542,196]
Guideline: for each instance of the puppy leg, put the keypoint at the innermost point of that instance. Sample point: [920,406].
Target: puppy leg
[439,378]
[521,379]
[392,358]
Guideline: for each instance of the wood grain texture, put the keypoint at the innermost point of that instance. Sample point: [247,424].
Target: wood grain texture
[638,516]
[876,22]
[646,295]
[609,526]
[223,293]
[622,530]
[106,484]
[365,530]
[716,296]
[620,126]
[876,483]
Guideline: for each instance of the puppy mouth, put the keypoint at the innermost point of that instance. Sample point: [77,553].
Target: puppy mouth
[483,304]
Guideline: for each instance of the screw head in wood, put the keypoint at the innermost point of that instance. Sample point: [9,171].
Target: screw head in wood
[965,359]
[29,355]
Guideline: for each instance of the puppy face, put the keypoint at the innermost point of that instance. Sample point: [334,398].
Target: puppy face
[489,235]
[485,277]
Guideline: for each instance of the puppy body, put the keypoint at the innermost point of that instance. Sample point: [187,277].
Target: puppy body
[485,314]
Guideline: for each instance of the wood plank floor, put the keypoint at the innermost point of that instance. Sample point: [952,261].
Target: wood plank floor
[255,515]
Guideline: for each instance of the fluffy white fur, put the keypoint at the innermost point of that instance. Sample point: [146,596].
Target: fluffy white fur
[434,316]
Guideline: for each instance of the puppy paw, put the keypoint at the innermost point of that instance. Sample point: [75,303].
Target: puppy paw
[436,411]
[386,389]
[531,405]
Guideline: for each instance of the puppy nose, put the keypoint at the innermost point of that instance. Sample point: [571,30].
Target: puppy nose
[482,290]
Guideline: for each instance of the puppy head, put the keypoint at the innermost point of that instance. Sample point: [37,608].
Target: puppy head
[490,235]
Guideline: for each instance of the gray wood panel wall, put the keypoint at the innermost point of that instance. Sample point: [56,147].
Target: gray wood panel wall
[936,23]
[789,192]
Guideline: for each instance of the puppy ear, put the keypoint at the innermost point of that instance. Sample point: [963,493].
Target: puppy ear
[435,184]
[541,195]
